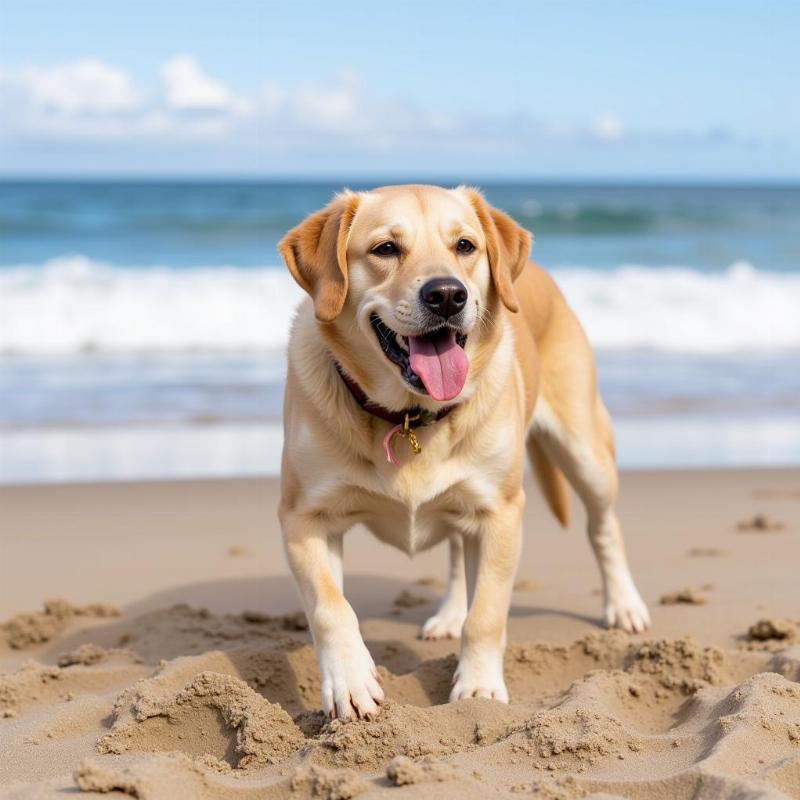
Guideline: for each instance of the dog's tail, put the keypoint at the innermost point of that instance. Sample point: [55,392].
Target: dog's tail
[552,481]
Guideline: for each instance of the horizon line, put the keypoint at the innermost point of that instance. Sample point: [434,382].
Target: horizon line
[383,179]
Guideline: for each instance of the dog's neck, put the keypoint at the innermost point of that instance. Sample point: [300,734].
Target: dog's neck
[415,413]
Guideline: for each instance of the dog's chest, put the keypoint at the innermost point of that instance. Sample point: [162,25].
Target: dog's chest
[408,528]
[412,528]
[414,509]
[448,488]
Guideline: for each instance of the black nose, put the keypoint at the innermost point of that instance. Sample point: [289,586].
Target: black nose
[444,296]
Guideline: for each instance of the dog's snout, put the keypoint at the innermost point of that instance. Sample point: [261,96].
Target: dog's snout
[445,297]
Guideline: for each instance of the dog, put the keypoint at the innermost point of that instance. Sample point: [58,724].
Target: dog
[428,357]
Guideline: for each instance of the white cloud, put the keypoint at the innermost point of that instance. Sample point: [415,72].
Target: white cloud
[608,126]
[188,88]
[90,100]
[87,86]
[336,108]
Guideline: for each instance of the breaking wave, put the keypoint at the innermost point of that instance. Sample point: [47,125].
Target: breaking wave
[73,305]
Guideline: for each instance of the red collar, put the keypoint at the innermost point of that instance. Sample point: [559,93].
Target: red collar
[419,416]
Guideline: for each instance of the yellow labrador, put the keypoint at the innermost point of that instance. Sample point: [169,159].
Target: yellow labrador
[429,356]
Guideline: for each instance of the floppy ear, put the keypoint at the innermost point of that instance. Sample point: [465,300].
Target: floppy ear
[508,245]
[316,254]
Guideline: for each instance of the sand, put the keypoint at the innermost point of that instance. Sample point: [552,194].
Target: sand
[151,647]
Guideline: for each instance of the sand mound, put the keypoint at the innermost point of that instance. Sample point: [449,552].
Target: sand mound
[214,714]
[774,629]
[413,732]
[687,595]
[35,684]
[573,736]
[89,653]
[760,523]
[327,784]
[25,630]
[402,771]
[408,599]
[681,664]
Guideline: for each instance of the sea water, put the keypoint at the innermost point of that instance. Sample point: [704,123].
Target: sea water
[143,324]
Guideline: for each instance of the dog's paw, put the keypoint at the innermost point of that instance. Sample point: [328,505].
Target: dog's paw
[350,683]
[445,624]
[473,680]
[625,609]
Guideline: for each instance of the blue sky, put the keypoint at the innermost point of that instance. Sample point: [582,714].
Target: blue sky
[551,89]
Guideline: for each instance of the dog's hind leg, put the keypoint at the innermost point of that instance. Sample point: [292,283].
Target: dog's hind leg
[336,559]
[579,440]
[449,618]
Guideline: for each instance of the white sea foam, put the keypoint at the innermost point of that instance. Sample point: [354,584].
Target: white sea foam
[72,304]
[675,309]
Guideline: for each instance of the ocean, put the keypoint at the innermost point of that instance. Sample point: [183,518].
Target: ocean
[143,324]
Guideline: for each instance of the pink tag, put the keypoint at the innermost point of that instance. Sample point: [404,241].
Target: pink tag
[387,445]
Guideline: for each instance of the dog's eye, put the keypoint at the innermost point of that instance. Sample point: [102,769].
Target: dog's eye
[386,249]
[464,246]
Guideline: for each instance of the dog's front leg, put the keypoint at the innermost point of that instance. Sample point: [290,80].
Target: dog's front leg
[350,684]
[491,555]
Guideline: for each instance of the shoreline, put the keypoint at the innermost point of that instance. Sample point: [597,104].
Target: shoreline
[242,449]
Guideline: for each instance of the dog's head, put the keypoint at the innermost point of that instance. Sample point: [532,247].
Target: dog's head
[407,280]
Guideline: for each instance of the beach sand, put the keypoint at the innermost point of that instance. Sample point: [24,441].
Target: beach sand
[174,663]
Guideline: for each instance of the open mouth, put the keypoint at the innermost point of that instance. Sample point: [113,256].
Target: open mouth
[434,363]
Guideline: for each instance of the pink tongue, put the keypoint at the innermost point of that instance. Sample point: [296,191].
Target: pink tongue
[440,363]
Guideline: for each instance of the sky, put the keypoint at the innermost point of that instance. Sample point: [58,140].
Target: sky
[512,89]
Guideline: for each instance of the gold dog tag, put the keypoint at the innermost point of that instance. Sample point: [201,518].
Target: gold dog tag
[409,432]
